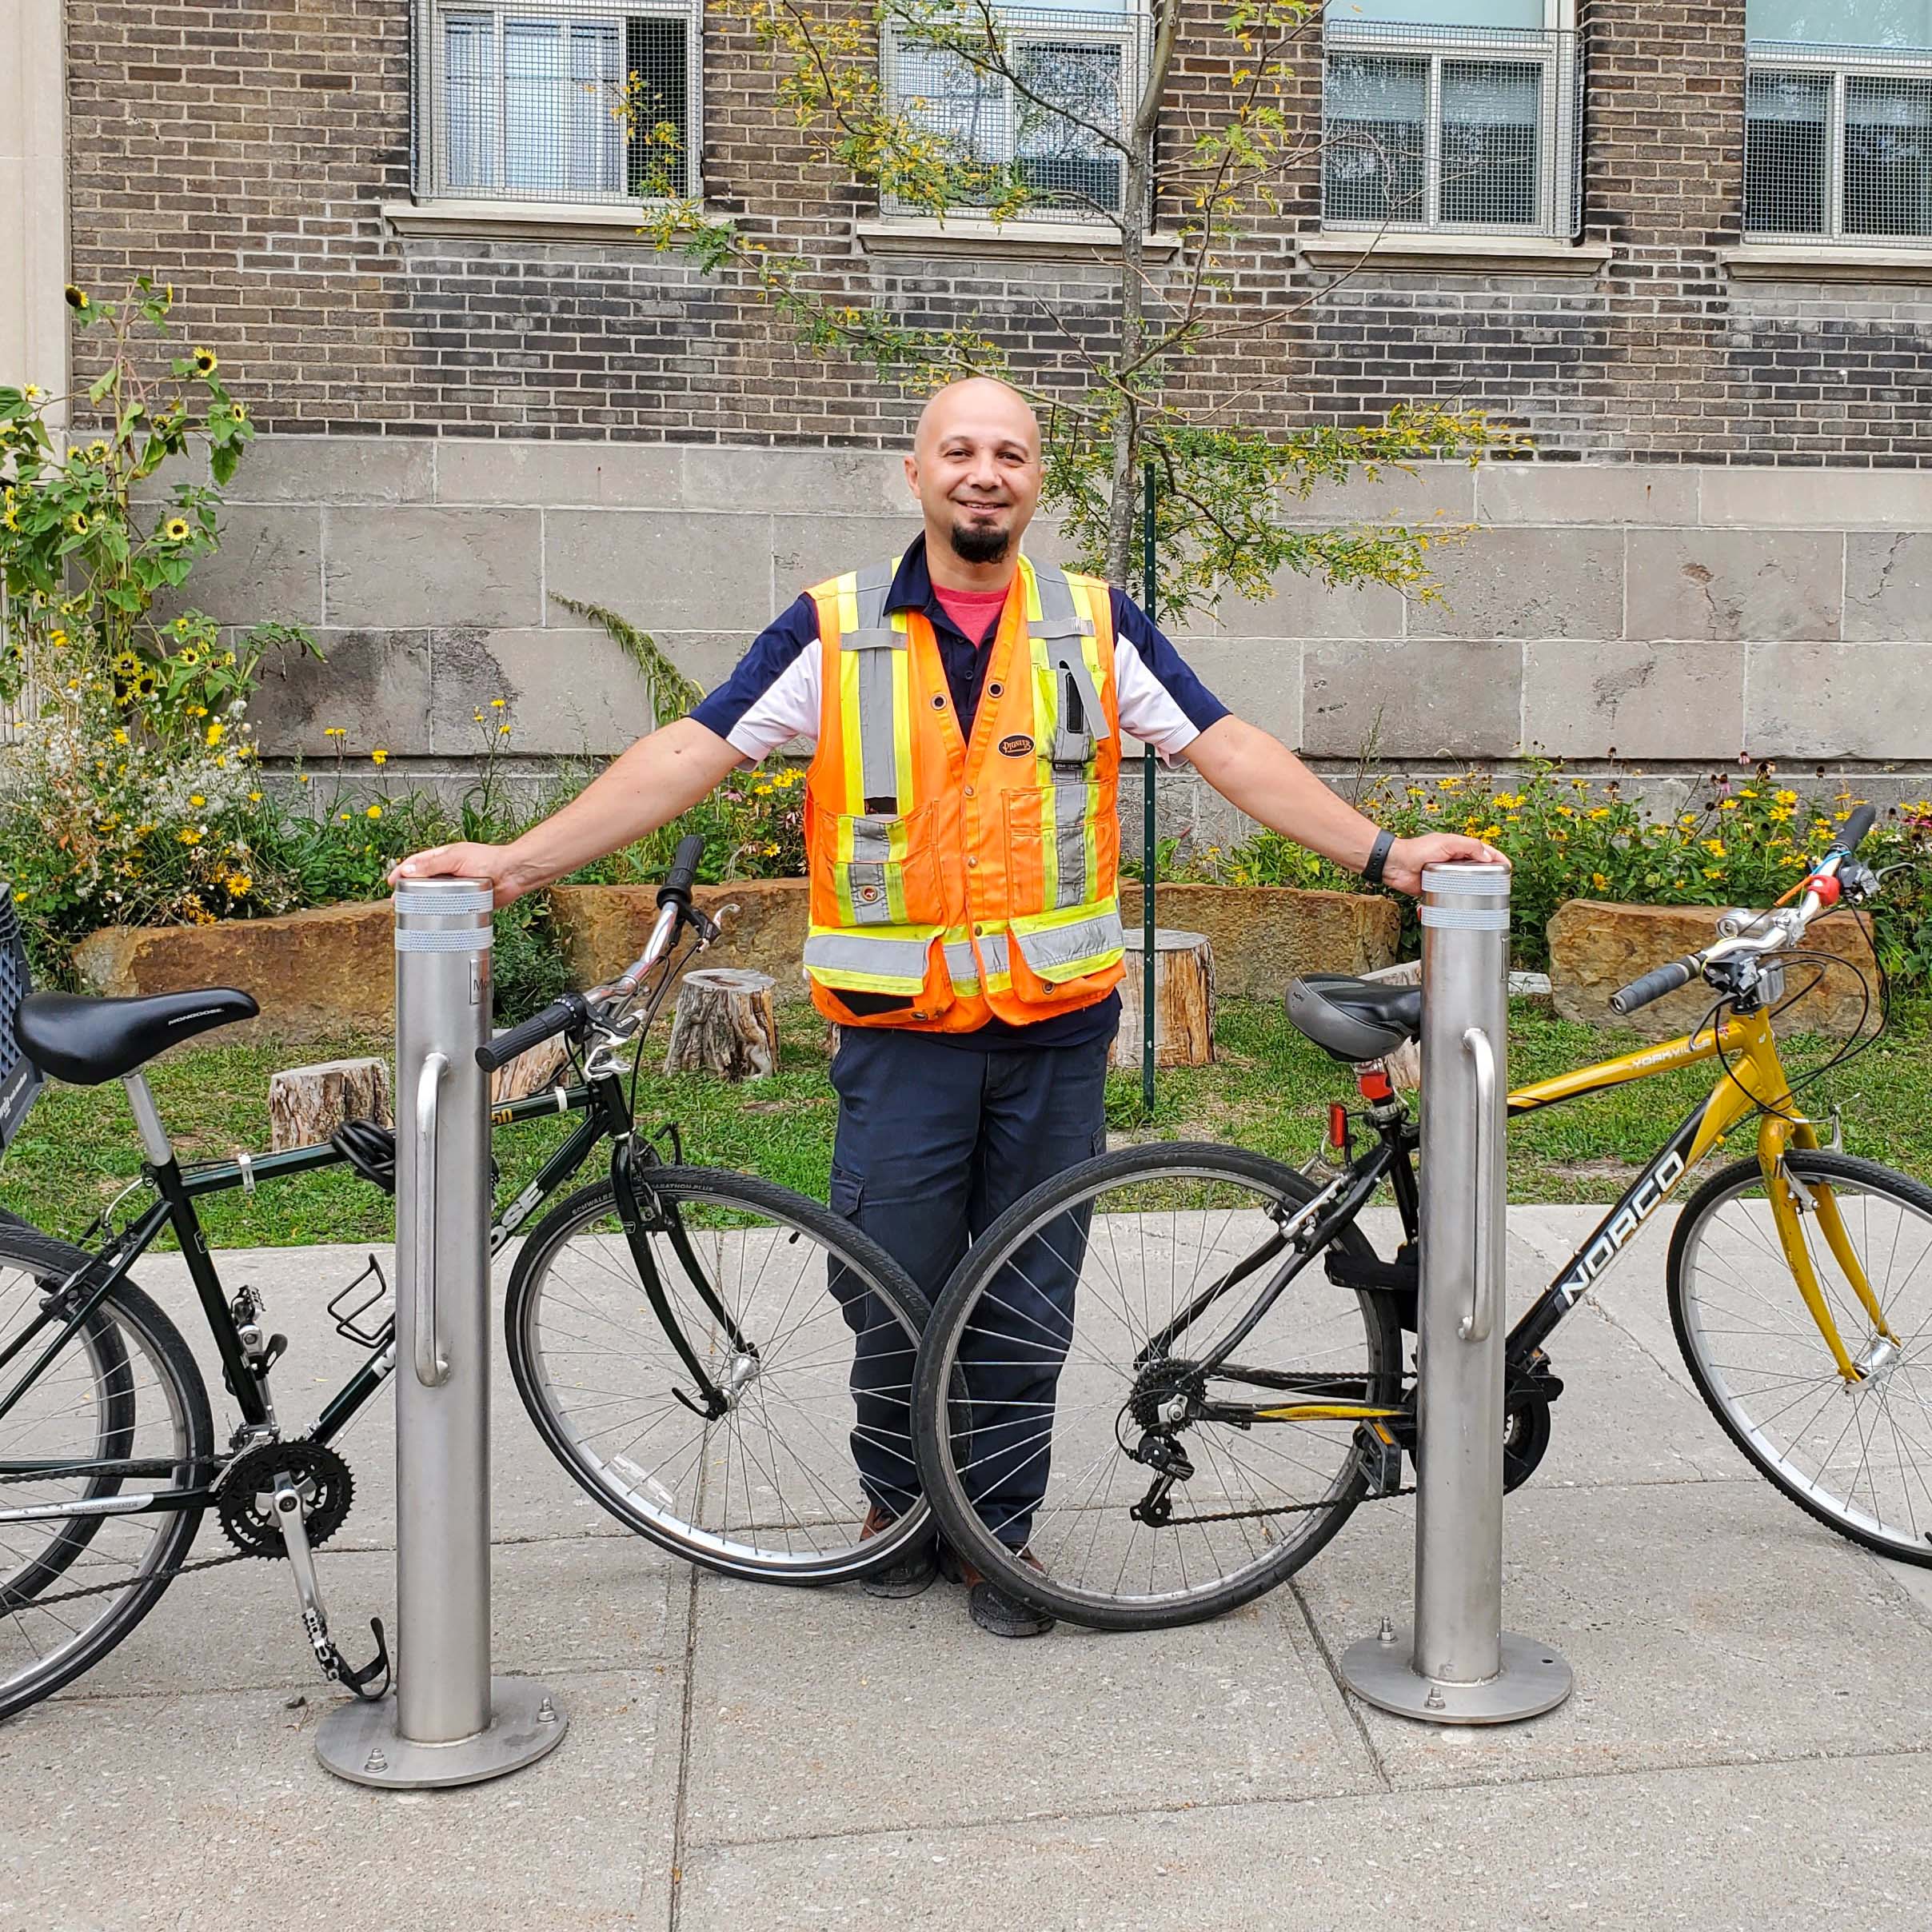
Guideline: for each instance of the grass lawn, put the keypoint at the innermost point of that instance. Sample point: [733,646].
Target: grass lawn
[1269,1090]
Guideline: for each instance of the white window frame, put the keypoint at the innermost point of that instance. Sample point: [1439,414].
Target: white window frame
[1128,26]
[1554,46]
[429,83]
[1839,65]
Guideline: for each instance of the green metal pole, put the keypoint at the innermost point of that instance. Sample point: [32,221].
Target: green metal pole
[1149,846]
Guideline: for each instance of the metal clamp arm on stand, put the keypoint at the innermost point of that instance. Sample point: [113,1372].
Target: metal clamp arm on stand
[432,1361]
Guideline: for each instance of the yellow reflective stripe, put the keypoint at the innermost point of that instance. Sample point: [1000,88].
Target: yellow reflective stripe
[962,967]
[1062,945]
[884,962]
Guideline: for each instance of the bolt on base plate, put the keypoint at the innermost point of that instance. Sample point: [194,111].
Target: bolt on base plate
[1380,1671]
[360,1742]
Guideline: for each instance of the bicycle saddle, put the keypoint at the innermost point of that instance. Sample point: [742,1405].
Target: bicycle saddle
[1354,1019]
[85,1041]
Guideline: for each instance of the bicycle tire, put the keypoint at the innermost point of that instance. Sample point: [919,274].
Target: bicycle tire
[670,1519]
[1763,1418]
[942,1431]
[131,1313]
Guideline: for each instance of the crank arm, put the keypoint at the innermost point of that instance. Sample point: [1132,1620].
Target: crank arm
[287,1506]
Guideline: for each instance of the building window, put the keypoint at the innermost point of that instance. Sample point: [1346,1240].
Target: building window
[1838,126]
[1451,116]
[556,100]
[1071,81]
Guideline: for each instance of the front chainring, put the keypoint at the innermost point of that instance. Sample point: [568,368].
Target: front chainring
[244,1496]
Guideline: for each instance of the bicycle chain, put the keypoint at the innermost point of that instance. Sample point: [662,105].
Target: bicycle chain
[1284,1509]
[159,1576]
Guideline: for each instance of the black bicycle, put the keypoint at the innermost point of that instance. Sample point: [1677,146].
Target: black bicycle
[681,1336]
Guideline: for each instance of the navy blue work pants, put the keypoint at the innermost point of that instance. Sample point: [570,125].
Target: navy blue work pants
[934,1142]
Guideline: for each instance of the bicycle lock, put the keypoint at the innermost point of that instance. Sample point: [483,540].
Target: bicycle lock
[1456,1664]
[449,1722]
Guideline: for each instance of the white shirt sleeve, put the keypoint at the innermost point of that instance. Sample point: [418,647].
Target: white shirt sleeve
[1147,709]
[788,708]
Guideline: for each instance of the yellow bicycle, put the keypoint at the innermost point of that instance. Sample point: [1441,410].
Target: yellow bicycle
[1207,1405]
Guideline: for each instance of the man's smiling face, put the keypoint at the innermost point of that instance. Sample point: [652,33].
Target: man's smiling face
[975,468]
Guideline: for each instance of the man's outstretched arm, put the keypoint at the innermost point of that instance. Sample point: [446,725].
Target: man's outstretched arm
[648,786]
[1260,775]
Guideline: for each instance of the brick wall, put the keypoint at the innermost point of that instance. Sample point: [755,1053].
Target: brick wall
[241,151]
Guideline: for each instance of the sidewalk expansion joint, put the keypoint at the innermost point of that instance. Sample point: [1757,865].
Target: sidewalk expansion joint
[681,1814]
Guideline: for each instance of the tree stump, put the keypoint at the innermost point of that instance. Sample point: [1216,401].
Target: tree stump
[529,1073]
[307,1104]
[724,1024]
[1183,1001]
[1404,1065]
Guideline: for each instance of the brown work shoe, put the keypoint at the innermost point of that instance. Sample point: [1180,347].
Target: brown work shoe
[993,1608]
[908,1574]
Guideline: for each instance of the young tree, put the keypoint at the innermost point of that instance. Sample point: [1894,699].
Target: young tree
[890,92]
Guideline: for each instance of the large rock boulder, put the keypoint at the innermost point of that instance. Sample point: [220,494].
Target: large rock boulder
[1265,936]
[316,976]
[1597,946]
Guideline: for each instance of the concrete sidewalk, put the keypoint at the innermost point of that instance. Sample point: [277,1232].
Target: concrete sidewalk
[1750,1744]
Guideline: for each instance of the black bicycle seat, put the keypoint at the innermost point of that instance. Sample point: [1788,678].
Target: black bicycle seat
[1354,1019]
[85,1040]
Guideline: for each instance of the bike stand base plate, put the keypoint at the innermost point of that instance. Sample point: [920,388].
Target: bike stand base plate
[360,1742]
[1533,1678]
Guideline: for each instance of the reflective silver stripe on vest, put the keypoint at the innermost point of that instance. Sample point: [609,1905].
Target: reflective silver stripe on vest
[899,959]
[993,954]
[871,849]
[1061,628]
[1062,945]
[875,640]
[1070,845]
[962,968]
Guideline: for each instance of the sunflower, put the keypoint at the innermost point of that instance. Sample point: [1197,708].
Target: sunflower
[188,655]
[205,361]
[97,451]
[175,529]
[78,298]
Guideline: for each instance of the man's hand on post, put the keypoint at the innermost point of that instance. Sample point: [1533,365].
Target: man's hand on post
[1403,869]
[465,859]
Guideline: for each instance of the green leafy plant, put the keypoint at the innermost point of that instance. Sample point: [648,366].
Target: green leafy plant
[672,693]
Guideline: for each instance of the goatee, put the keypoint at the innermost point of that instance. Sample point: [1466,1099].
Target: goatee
[979,544]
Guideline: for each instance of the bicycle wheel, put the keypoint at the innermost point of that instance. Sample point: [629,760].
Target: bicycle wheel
[1857,1455]
[1056,1382]
[124,1391]
[769,1490]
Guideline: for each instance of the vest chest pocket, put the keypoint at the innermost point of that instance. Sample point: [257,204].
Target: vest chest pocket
[883,871]
[1050,847]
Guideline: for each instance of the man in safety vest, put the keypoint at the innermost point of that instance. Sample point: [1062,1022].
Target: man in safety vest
[962,836]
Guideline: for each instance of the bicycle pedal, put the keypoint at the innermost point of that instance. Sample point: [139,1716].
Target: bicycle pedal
[1380,1456]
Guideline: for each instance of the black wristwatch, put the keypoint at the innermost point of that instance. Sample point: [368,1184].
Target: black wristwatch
[1378,857]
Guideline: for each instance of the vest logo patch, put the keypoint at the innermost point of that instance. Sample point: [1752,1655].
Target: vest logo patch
[1018,745]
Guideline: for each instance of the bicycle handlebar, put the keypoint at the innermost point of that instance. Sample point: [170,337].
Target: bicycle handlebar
[557,1017]
[682,875]
[1857,826]
[1655,983]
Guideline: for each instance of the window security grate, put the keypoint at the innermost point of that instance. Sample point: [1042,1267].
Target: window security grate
[1451,128]
[1083,61]
[556,100]
[1837,144]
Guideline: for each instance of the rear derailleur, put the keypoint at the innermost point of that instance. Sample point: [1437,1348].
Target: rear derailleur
[287,1498]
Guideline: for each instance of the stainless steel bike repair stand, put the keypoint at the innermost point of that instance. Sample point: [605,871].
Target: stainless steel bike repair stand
[450,1720]
[1458,1666]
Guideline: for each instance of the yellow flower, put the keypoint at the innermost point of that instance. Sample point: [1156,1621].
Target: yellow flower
[1600,881]
[334,731]
[1730,804]
[58,639]
[373,812]
[1747,793]
[1785,798]
[175,529]
[120,735]
[78,298]
[188,655]
[19,894]
[215,731]
[378,756]
[188,836]
[497,704]
[79,523]
[503,730]
[237,884]
[196,799]
[206,363]
[1713,872]
[1490,832]
[1714,847]
[1599,811]
[254,798]
[97,450]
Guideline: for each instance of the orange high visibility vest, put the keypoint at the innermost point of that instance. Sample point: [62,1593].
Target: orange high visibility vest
[964,878]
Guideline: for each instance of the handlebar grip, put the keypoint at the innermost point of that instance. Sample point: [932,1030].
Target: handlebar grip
[682,875]
[1655,983]
[556,1018]
[1857,826]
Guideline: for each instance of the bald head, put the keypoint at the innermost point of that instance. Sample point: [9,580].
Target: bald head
[975,469]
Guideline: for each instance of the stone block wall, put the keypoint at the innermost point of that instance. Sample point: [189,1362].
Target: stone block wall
[1722,547]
